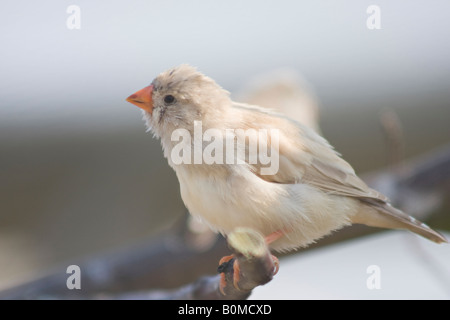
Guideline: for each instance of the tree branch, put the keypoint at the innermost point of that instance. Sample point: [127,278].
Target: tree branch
[256,268]
[172,259]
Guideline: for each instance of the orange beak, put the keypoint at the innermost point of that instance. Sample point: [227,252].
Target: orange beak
[143,99]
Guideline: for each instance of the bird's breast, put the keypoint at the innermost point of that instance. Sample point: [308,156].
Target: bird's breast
[222,199]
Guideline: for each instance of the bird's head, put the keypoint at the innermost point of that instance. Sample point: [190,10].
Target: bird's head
[178,97]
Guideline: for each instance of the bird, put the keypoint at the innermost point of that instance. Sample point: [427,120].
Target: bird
[285,91]
[311,193]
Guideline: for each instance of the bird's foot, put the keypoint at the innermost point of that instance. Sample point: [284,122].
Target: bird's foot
[224,263]
[231,262]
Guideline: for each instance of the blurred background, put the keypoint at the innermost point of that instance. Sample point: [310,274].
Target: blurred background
[80,176]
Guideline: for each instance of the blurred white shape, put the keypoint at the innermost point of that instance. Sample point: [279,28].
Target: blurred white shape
[201,237]
[20,261]
[410,268]
[285,91]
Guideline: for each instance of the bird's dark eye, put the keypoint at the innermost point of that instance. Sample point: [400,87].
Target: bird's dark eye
[169,99]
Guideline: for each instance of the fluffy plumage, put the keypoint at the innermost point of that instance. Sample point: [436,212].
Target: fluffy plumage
[313,193]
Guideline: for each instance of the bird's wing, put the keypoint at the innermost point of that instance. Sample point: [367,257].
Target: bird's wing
[333,179]
[306,157]
[327,171]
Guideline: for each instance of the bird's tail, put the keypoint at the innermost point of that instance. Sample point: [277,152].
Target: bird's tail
[383,215]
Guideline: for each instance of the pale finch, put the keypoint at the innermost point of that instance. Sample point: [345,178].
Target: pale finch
[313,192]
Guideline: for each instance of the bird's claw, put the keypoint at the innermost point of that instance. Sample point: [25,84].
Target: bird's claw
[276,264]
[224,263]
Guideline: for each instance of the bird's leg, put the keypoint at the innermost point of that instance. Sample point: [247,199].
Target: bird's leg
[274,236]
